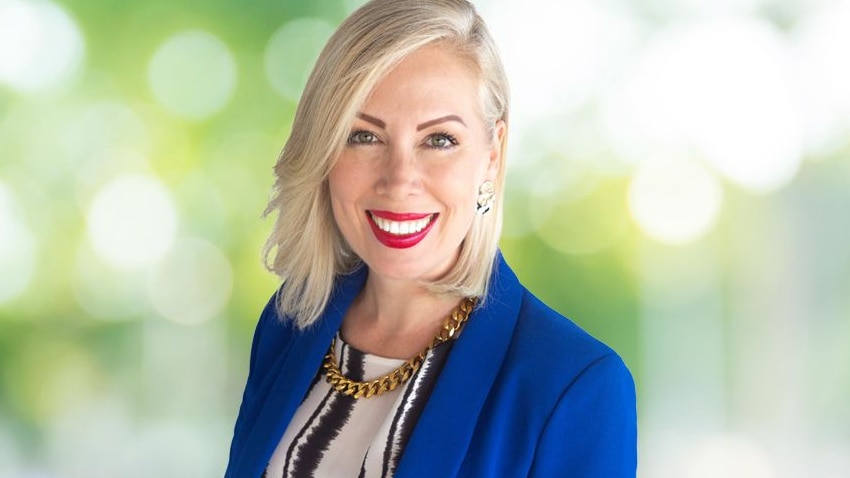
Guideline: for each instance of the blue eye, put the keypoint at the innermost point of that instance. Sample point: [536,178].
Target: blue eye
[441,141]
[362,137]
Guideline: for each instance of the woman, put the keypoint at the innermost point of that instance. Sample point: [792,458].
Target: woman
[401,343]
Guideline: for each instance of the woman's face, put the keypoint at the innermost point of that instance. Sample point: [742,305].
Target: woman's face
[404,188]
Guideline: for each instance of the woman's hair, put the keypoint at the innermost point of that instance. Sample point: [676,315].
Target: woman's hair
[305,248]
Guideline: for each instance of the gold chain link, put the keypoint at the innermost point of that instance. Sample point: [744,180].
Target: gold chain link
[450,329]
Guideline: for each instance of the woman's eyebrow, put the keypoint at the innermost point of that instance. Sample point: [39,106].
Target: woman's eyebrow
[371,119]
[381,124]
[439,120]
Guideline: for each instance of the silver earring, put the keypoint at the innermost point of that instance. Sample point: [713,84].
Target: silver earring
[486,196]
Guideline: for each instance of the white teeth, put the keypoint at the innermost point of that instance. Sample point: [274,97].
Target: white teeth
[401,228]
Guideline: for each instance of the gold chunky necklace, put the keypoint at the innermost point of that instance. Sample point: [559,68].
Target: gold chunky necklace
[451,328]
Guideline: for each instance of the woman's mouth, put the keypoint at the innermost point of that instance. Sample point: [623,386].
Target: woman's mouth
[400,230]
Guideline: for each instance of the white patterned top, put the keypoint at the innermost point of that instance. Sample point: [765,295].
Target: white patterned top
[334,435]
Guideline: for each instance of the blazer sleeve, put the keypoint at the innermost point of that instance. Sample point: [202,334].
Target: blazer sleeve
[259,363]
[592,431]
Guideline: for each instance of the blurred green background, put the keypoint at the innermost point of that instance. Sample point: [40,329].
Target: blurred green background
[679,185]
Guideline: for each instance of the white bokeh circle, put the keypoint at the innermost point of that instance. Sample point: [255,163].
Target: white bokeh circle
[132,221]
[41,46]
[722,88]
[551,68]
[823,45]
[193,74]
[674,201]
[291,52]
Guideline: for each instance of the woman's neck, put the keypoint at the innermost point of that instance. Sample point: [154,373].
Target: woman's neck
[395,319]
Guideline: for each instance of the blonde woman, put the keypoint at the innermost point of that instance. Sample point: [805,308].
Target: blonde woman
[400,342]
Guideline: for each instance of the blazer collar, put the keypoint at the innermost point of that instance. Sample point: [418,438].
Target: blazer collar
[291,375]
[442,435]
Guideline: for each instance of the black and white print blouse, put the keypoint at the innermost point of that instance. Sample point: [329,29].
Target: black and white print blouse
[334,435]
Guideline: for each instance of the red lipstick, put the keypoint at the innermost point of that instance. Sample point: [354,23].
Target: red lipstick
[400,241]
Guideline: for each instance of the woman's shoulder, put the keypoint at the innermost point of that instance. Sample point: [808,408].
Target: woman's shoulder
[574,385]
[271,334]
[545,342]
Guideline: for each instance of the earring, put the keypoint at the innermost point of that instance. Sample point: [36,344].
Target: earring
[486,196]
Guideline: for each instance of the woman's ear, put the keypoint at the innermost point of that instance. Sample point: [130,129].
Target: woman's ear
[495,165]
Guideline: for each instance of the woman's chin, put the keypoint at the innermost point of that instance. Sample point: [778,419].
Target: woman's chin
[409,269]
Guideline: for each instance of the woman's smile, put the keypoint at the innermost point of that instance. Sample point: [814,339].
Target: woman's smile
[400,230]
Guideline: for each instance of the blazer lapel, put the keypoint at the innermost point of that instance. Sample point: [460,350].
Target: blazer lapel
[291,376]
[442,434]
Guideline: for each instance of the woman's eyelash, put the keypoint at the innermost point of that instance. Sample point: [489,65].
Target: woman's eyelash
[450,139]
[362,137]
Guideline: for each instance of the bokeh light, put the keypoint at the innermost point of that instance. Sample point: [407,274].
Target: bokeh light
[729,457]
[193,74]
[572,73]
[132,221]
[192,284]
[17,247]
[823,44]
[674,201]
[723,89]
[41,47]
[290,52]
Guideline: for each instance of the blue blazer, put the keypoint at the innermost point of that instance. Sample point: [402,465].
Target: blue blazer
[524,393]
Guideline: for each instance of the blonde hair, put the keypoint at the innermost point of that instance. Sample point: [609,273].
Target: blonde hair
[305,248]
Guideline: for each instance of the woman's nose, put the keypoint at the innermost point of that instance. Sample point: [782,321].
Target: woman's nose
[399,176]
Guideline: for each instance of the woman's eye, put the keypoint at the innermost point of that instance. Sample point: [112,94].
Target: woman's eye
[441,141]
[362,137]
